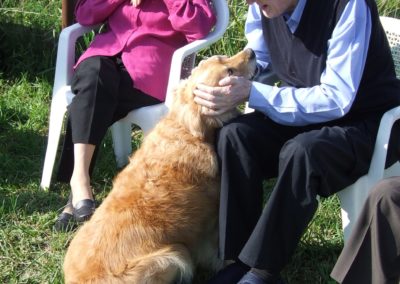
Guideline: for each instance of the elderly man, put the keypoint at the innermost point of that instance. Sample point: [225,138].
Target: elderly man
[315,132]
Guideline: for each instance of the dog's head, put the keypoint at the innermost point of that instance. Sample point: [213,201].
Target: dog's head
[209,72]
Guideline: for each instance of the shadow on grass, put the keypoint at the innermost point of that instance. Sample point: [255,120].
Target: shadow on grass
[22,156]
[20,153]
[27,50]
[31,201]
[312,263]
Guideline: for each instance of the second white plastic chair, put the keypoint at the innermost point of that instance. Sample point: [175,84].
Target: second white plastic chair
[353,197]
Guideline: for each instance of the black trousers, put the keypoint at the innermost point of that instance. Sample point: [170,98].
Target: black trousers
[372,253]
[307,161]
[104,93]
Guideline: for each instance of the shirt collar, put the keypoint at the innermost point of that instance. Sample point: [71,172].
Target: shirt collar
[293,20]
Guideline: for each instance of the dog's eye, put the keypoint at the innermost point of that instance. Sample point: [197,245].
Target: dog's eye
[230,71]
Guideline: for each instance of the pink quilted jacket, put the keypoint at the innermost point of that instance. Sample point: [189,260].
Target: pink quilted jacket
[146,36]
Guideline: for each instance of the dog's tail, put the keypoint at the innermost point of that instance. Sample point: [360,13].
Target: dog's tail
[172,262]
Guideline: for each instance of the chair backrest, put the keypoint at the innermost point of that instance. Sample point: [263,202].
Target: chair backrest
[392,29]
[353,197]
[183,58]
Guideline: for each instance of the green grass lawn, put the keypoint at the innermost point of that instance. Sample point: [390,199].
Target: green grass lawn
[30,252]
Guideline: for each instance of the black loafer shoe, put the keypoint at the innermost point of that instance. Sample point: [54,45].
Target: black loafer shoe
[252,278]
[83,210]
[64,223]
[230,274]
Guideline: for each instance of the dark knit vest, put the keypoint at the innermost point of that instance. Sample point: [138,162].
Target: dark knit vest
[300,58]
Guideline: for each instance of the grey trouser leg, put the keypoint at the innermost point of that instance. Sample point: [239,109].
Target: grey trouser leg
[372,253]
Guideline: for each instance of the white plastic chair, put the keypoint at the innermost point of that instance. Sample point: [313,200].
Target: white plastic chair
[145,117]
[352,198]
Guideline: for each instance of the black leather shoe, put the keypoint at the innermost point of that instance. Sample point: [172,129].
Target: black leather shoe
[230,274]
[83,210]
[64,223]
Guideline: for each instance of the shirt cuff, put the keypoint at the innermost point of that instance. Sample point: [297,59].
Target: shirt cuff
[258,98]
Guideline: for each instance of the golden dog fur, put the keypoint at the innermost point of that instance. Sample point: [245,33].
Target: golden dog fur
[160,219]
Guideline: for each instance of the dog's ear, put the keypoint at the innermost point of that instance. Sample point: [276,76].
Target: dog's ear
[187,111]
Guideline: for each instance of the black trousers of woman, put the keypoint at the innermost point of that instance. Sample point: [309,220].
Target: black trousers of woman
[104,93]
[372,253]
[307,161]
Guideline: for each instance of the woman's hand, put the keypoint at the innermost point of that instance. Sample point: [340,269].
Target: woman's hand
[231,92]
[136,3]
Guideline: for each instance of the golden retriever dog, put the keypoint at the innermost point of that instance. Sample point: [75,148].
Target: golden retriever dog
[159,221]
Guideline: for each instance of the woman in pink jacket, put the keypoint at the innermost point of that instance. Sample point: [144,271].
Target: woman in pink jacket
[124,68]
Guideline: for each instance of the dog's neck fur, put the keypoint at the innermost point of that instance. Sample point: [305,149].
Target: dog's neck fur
[189,114]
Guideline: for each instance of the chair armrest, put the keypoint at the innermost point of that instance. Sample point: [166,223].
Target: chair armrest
[66,54]
[221,7]
[378,161]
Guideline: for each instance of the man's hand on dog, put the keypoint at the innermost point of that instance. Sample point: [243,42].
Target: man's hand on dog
[232,91]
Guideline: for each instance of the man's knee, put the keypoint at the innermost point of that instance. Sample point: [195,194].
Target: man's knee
[301,147]
[227,133]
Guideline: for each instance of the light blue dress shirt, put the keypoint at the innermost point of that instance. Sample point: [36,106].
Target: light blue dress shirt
[332,99]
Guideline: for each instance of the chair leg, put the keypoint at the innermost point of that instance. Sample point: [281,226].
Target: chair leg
[122,141]
[55,125]
[352,199]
